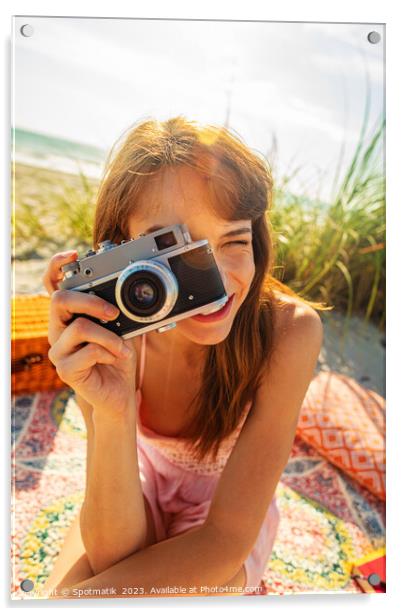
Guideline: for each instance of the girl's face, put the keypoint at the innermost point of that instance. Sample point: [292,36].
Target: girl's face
[180,196]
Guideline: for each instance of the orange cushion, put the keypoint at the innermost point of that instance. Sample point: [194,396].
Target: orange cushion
[345,423]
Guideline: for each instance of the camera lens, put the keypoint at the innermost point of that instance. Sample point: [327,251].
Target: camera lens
[146,291]
[143,295]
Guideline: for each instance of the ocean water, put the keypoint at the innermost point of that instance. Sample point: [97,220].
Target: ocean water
[57,153]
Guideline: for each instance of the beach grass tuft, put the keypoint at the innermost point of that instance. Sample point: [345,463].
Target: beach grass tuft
[336,252]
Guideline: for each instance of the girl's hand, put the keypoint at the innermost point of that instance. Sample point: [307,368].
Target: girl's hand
[53,274]
[97,363]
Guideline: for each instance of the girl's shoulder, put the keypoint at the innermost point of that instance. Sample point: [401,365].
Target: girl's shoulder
[287,308]
[287,300]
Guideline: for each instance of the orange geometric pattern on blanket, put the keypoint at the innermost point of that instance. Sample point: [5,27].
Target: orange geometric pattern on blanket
[345,423]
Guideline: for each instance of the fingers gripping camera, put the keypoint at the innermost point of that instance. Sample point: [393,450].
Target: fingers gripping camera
[155,280]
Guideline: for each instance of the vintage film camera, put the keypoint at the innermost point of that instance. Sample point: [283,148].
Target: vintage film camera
[155,280]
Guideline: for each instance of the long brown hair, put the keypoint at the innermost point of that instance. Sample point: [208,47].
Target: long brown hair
[240,185]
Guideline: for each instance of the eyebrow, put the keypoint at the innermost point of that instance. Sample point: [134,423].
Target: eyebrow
[238,231]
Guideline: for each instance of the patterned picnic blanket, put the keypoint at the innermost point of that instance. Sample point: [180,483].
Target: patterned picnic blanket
[327,518]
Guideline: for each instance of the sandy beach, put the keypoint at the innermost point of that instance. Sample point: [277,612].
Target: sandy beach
[352,347]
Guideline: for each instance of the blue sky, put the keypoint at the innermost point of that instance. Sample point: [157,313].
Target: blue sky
[89,79]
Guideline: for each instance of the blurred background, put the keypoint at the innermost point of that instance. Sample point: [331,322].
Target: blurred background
[308,96]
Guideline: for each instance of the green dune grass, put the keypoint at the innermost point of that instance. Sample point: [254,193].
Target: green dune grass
[336,253]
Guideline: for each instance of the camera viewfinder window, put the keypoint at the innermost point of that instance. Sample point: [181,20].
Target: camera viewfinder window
[166,240]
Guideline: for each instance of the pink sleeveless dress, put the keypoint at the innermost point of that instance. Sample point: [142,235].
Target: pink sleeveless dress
[179,490]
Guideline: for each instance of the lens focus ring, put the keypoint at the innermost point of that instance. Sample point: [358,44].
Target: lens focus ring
[146,291]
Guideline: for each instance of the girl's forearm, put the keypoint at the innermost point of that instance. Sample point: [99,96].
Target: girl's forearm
[201,557]
[86,410]
[113,519]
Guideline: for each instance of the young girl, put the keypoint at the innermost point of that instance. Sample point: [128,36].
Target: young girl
[189,430]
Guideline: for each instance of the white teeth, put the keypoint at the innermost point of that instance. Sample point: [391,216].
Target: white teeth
[216,309]
[220,307]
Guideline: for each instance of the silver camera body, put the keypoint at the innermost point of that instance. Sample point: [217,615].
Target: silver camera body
[155,280]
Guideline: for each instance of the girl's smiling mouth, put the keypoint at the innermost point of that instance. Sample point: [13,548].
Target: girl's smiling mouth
[215,316]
